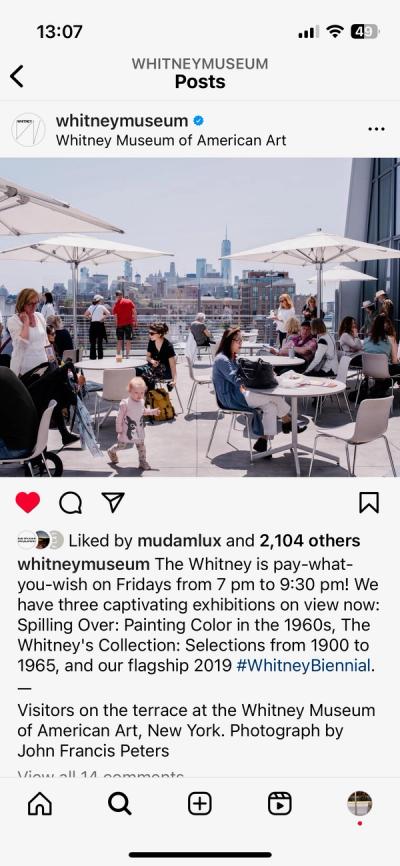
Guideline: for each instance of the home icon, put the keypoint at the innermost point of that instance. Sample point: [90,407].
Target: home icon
[40,805]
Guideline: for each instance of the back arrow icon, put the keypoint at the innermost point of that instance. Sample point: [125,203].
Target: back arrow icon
[13,75]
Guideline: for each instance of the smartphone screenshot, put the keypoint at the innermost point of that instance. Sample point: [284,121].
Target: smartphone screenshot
[199,433]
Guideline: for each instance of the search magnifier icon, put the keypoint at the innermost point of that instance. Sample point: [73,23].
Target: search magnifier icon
[118,802]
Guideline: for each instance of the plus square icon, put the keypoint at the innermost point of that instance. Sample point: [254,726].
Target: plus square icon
[199,803]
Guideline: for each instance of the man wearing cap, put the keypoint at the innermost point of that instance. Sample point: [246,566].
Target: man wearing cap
[125,312]
[369,314]
[384,305]
[97,313]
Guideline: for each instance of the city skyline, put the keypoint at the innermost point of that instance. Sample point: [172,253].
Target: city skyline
[183,206]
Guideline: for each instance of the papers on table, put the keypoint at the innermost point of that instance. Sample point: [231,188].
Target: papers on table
[291,379]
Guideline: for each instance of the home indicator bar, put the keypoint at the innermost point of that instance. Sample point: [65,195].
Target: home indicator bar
[255,855]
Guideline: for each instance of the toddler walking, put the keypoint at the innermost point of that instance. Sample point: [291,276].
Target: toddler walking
[129,423]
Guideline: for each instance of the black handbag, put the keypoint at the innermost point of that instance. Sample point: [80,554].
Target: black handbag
[256,374]
[152,375]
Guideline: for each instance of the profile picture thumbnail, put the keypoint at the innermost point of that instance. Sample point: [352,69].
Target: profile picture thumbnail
[359,803]
[29,539]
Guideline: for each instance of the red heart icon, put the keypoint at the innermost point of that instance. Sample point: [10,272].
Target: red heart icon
[27,501]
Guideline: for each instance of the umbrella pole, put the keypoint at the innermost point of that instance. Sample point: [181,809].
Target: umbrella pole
[319,287]
[74,302]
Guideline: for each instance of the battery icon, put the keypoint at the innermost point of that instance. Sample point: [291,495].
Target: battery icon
[364,31]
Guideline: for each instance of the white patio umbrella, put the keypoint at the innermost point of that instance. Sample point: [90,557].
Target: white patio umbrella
[318,248]
[343,275]
[24,212]
[76,251]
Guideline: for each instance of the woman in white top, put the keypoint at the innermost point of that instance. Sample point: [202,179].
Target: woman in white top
[28,333]
[31,348]
[325,360]
[285,312]
[348,336]
[48,306]
[97,313]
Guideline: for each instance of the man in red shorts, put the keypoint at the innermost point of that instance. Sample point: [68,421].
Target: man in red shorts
[125,312]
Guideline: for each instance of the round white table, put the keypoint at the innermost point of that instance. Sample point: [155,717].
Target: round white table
[281,360]
[251,345]
[110,363]
[314,389]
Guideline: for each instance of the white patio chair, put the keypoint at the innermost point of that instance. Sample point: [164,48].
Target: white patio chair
[234,414]
[371,424]
[73,355]
[341,376]
[196,381]
[205,352]
[190,347]
[115,384]
[39,449]
[250,335]
[376,366]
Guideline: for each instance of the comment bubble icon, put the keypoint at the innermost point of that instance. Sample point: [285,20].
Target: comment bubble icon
[70,502]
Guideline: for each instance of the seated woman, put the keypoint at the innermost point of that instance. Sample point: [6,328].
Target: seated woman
[293,330]
[349,340]
[63,339]
[200,331]
[51,352]
[383,341]
[231,394]
[325,361]
[161,358]
[31,350]
[390,330]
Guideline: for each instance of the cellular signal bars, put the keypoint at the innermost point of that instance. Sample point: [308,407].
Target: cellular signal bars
[312,33]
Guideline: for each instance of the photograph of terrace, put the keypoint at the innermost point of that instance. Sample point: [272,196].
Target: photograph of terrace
[199,317]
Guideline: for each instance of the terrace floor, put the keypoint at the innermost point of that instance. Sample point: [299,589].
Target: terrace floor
[178,448]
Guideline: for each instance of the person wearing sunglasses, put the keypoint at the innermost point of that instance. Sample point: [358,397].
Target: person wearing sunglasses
[231,394]
[161,357]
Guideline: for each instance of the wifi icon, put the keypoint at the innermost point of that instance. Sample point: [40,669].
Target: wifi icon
[335,30]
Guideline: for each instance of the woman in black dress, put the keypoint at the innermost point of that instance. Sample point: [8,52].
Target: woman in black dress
[161,358]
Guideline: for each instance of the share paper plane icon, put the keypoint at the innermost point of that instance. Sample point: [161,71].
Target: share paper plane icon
[114,500]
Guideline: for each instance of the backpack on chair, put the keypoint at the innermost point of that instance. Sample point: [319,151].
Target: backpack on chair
[158,398]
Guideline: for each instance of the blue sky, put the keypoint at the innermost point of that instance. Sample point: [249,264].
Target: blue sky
[182,205]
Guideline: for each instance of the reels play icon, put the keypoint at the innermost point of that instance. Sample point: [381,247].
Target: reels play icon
[280,803]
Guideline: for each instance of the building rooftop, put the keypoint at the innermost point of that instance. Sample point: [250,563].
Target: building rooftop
[178,448]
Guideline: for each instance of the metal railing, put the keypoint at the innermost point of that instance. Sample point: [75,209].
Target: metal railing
[179,325]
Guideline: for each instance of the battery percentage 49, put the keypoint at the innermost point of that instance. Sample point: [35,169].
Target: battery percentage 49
[364,31]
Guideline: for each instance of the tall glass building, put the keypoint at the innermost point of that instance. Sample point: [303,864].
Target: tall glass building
[373,215]
[128,271]
[226,266]
[201,268]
